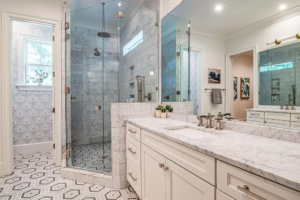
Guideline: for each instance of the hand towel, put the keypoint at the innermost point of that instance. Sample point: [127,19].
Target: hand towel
[216,96]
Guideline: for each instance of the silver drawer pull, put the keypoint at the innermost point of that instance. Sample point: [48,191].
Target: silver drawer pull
[131,131]
[130,174]
[246,190]
[131,151]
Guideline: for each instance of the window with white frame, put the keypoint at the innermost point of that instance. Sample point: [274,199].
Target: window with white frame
[138,39]
[37,62]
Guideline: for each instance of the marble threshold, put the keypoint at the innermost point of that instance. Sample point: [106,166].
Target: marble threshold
[272,159]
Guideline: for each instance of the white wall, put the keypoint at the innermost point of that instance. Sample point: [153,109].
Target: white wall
[212,56]
[168,6]
[242,68]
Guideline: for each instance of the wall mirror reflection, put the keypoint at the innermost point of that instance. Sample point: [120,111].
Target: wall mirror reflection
[243,59]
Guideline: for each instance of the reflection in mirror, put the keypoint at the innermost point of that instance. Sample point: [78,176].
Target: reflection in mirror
[175,59]
[242,59]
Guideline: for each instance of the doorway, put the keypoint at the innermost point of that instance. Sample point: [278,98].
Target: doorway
[243,82]
[32,86]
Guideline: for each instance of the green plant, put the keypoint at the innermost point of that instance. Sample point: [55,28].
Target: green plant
[39,76]
[159,107]
[163,110]
[170,109]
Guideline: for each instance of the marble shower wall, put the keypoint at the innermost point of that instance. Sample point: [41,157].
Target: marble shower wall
[31,110]
[87,85]
[169,58]
[144,58]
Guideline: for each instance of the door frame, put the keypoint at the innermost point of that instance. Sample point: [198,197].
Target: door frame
[229,77]
[6,130]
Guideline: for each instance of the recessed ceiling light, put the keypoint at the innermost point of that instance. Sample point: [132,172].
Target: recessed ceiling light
[119,4]
[189,25]
[282,7]
[218,7]
[151,73]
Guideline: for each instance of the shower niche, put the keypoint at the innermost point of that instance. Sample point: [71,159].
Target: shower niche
[110,45]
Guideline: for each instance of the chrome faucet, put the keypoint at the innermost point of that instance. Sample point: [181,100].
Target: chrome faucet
[281,107]
[209,121]
[286,107]
[293,107]
[219,118]
[201,120]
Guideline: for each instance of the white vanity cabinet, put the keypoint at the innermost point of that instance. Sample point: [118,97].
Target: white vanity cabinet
[160,169]
[279,119]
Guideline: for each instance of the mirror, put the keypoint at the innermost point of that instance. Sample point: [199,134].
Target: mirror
[241,57]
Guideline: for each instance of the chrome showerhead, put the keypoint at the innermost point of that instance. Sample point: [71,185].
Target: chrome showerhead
[104,34]
[138,77]
[97,53]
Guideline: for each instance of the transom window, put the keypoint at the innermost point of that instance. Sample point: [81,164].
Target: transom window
[138,39]
[37,62]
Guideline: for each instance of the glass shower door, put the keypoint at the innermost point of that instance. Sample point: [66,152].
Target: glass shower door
[84,92]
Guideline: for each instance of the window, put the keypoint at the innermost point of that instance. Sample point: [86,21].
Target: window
[37,62]
[276,67]
[138,39]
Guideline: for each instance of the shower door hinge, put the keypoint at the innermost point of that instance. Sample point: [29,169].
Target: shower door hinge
[67,90]
[53,38]
[258,92]
[156,24]
[157,88]
[53,74]
[178,53]
[188,32]
[53,110]
[68,36]
[69,146]
[67,25]
[53,146]
[178,92]
[67,153]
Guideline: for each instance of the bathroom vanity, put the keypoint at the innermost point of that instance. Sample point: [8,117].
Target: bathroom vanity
[280,118]
[170,159]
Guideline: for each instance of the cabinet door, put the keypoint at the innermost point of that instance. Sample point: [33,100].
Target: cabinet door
[273,122]
[181,184]
[153,175]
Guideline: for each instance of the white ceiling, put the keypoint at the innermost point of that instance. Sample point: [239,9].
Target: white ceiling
[90,12]
[236,14]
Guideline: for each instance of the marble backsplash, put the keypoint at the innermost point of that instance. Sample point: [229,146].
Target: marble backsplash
[290,135]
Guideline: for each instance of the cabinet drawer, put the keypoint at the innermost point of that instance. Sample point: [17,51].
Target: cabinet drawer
[222,196]
[133,151]
[252,114]
[278,116]
[134,177]
[133,131]
[199,164]
[255,120]
[295,117]
[295,124]
[273,122]
[230,178]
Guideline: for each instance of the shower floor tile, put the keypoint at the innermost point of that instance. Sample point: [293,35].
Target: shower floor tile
[36,178]
[90,157]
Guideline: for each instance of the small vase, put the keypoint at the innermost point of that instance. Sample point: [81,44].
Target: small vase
[158,113]
[163,115]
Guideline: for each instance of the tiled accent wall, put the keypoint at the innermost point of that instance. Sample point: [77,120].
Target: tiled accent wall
[285,77]
[143,59]
[31,110]
[86,82]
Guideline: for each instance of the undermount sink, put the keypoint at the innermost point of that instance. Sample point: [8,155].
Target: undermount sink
[174,128]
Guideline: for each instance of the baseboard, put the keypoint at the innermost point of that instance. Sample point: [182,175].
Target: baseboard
[33,148]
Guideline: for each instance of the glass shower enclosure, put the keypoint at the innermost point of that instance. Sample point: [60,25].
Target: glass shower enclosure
[110,48]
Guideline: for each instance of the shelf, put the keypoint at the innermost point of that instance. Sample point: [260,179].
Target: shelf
[34,87]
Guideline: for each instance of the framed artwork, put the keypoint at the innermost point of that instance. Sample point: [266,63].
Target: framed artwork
[245,88]
[214,75]
[235,87]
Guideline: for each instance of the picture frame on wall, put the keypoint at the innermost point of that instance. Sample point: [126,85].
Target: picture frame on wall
[235,89]
[245,88]
[214,75]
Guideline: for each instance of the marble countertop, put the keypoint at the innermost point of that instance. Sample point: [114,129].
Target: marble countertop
[272,159]
[273,110]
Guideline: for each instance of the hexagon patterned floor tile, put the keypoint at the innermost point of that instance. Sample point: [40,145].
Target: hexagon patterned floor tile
[36,178]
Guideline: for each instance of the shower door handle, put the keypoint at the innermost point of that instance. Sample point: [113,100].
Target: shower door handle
[167,97]
[149,96]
